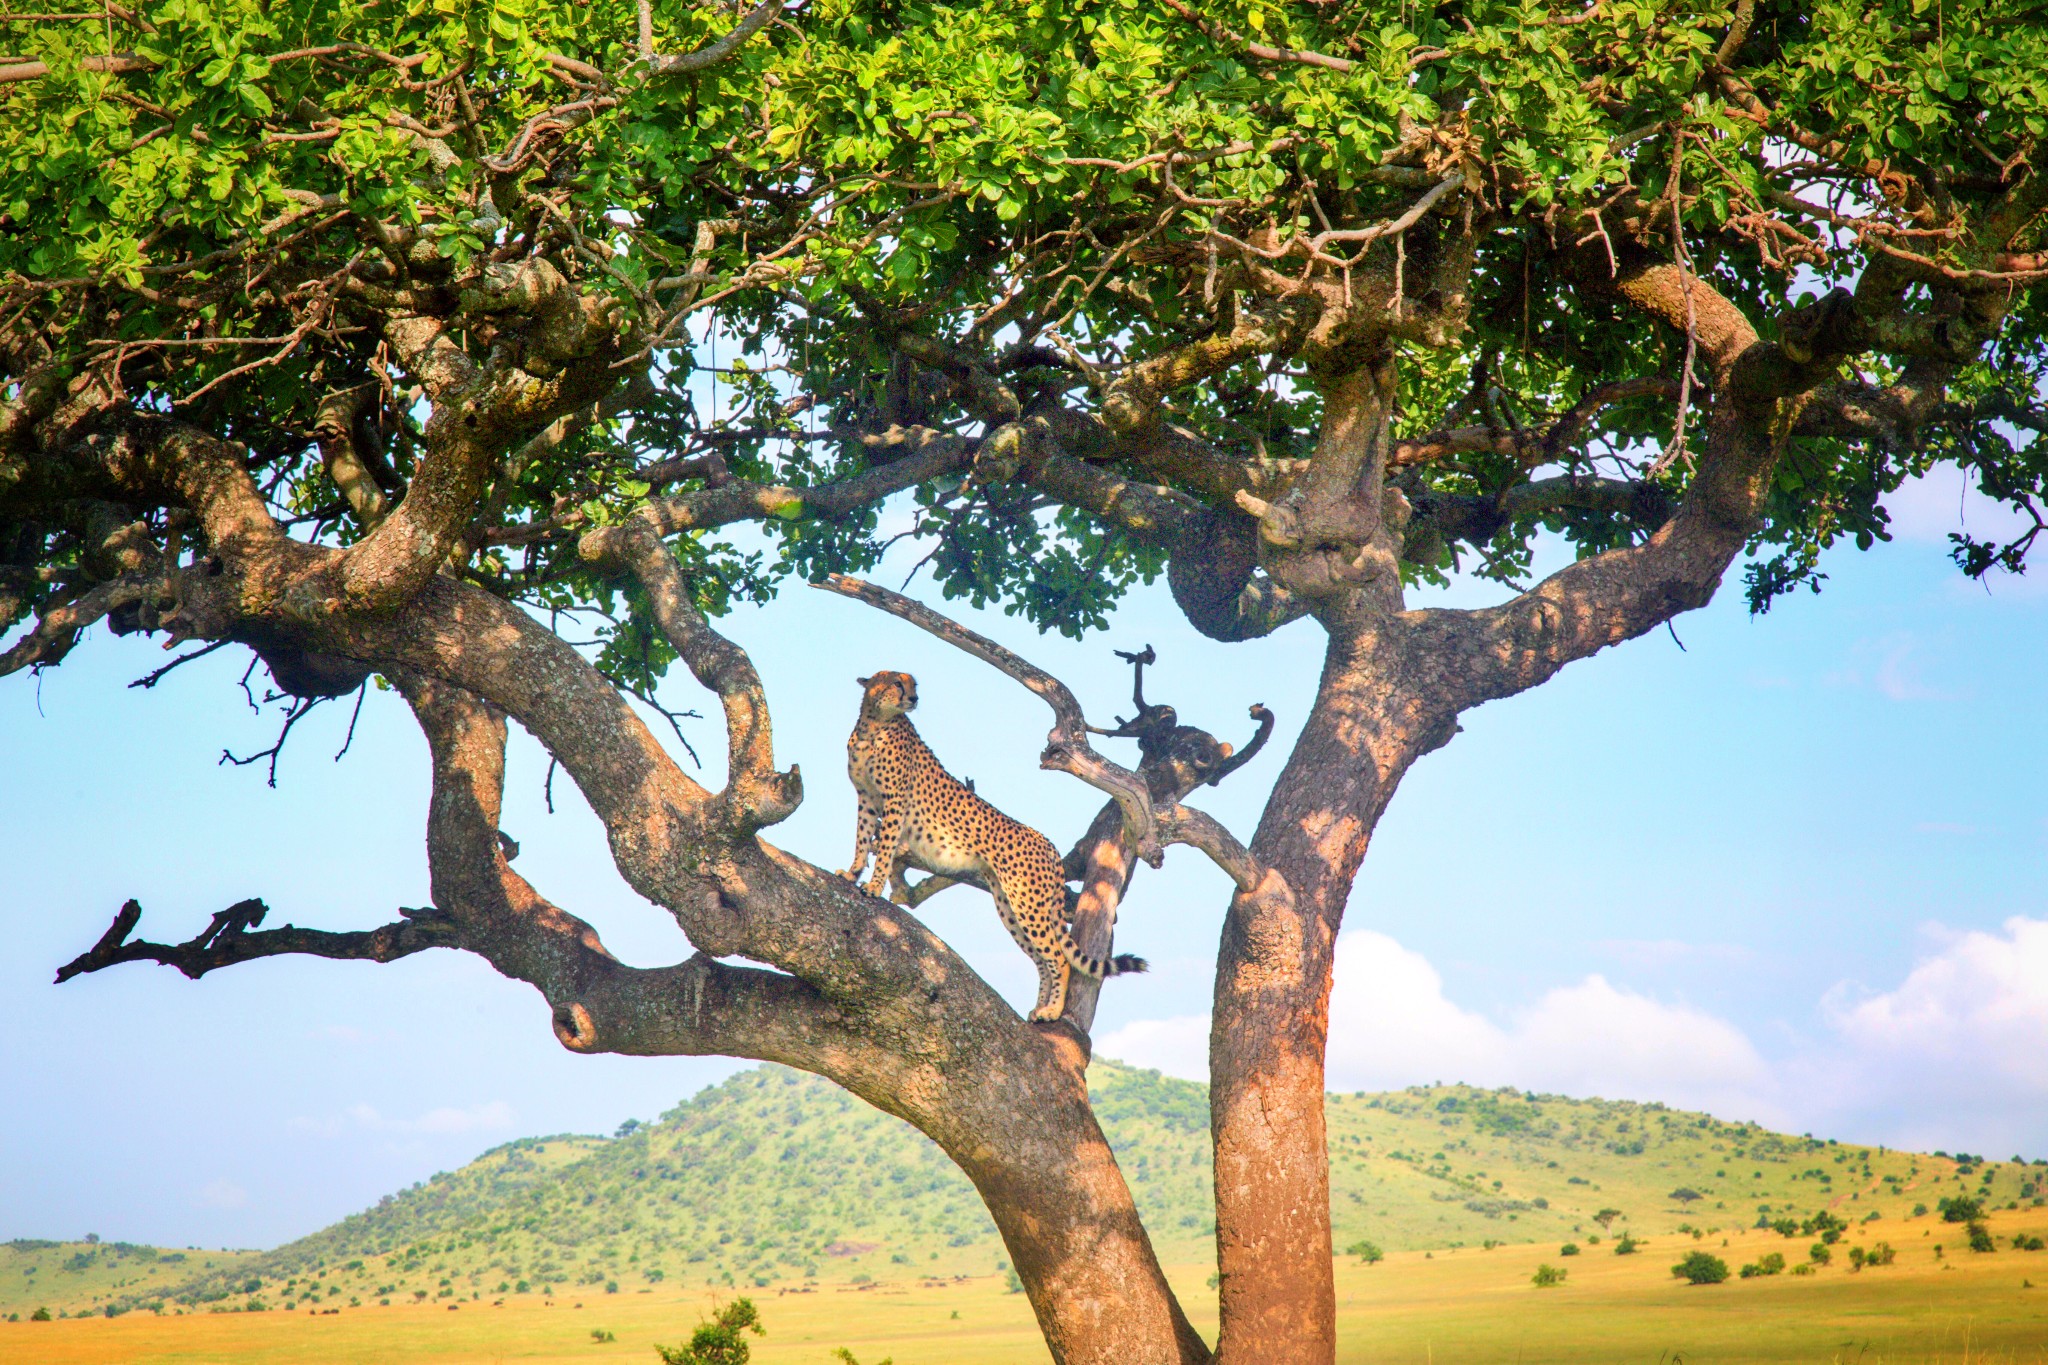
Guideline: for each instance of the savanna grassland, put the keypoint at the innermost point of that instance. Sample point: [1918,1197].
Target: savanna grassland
[1465,1307]
[853,1230]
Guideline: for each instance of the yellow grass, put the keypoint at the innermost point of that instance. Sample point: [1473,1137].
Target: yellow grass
[1467,1307]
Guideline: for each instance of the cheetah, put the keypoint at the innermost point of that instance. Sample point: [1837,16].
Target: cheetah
[913,813]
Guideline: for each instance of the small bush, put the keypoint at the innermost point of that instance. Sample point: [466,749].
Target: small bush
[1772,1263]
[1367,1252]
[40,1315]
[1568,1249]
[1548,1276]
[1701,1267]
[600,1336]
[1961,1210]
[1820,1253]
[1626,1246]
[1980,1237]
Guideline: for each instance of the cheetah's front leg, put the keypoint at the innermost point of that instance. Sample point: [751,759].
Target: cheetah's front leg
[888,842]
[863,836]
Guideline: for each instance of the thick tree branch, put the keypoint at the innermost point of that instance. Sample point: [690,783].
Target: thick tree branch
[756,794]
[918,455]
[57,629]
[711,53]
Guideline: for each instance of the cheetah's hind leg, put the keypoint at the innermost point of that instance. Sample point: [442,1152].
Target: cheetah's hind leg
[1053,975]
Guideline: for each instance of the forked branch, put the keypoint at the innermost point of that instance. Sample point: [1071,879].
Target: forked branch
[755,792]
[1066,747]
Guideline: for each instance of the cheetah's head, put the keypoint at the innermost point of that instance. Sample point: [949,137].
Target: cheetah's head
[888,695]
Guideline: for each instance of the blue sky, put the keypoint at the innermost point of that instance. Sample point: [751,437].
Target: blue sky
[1794,872]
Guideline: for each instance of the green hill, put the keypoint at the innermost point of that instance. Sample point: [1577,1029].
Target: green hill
[776,1176]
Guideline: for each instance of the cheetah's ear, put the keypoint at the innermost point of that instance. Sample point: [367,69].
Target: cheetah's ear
[863,681]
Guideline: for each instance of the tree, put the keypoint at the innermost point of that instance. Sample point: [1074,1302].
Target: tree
[363,337]
[720,1341]
[1701,1267]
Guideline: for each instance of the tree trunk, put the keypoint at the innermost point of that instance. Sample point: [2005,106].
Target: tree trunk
[1270,1023]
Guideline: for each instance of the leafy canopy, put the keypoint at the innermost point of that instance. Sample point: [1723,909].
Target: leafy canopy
[232,209]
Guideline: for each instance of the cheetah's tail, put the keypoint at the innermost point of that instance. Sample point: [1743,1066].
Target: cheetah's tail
[1099,967]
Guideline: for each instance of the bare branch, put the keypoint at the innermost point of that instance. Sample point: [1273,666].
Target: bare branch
[228,940]
[297,712]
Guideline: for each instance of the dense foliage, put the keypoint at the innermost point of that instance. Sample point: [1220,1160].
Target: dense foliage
[1047,191]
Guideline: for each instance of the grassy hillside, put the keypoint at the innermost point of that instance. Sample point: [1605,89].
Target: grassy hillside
[775,1177]
[70,1276]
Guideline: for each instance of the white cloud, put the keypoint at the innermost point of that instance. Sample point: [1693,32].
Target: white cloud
[1898,674]
[222,1194]
[1392,1025]
[1974,1013]
[495,1115]
[1955,1056]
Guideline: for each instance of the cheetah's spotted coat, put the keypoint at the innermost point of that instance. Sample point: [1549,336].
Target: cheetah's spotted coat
[913,813]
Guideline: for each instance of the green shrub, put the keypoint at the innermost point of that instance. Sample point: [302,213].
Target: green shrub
[1772,1263]
[2022,1242]
[718,1341]
[1367,1252]
[1961,1210]
[40,1315]
[1568,1249]
[1701,1267]
[1548,1276]
[1626,1246]
[1980,1237]
[1820,1253]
